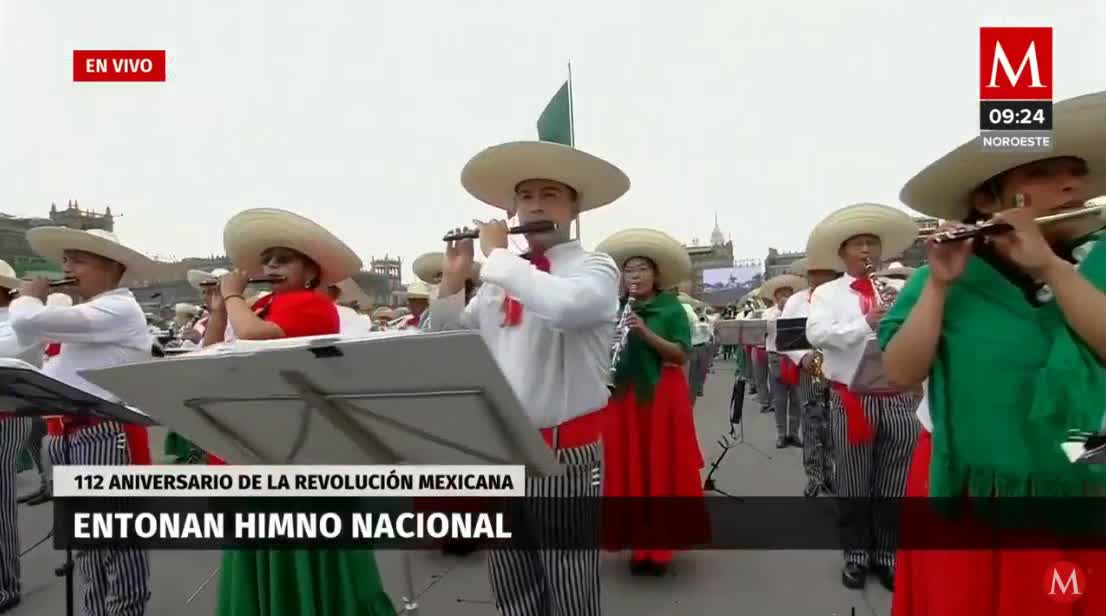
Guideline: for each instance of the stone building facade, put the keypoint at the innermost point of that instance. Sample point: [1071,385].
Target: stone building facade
[717,255]
[915,256]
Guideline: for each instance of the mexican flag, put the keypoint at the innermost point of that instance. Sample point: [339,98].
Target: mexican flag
[555,123]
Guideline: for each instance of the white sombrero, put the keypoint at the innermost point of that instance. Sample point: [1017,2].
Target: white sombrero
[419,290]
[428,268]
[251,232]
[8,279]
[775,283]
[896,269]
[61,300]
[493,174]
[944,188]
[349,292]
[197,277]
[895,229]
[669,255]
[52,242]
[188,309]
[383,313]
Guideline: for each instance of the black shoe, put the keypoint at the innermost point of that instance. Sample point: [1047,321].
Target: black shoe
[854,576]
[811,489]
[781,442]
[794,440]
[658,569]
[641,567]
[827,488]
[9,605]
[886,577]
[767,409]
[38,499]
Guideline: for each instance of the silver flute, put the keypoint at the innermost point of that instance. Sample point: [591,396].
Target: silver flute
[621,336]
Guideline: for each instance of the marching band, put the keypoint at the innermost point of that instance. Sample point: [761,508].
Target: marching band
[956,380]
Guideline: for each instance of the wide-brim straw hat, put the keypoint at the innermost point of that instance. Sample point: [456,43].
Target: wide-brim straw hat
[944,188]
[775,283]
[895,229]
[51,243]
[813,263]
[383,313]
[493,175]
[419,290]
[428,268]
[8,279]
[252,232]
[196,278]
[894,269]
[673,262]
[188,309]
[349,292]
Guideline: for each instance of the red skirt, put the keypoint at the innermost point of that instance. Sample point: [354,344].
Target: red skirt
[989,582]
[651,452]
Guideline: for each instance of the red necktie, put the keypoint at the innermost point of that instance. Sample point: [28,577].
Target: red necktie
[512,308]
[867,292]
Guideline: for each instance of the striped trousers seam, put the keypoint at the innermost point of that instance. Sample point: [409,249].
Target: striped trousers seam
[870,474]
[115,582]
[555,582]
[13,437]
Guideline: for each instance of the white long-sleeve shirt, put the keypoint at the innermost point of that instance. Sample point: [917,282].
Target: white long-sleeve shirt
[11,347]
[837,326]
[557,358]
[797,307]
[770,316]
[107,330]
[352,324]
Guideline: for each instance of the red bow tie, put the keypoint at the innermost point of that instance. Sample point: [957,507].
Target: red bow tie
[512,308]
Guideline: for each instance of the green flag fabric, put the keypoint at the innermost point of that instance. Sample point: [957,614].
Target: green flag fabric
[555,123]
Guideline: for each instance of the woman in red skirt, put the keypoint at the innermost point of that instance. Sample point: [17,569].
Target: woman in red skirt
[1006,335]
[649,439]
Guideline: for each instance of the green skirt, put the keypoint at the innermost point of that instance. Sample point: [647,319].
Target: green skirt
[182,450]
[301,583]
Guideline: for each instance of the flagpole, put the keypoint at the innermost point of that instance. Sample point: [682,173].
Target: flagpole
[572,133]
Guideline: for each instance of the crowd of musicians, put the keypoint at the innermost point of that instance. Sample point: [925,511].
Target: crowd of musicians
[989,355]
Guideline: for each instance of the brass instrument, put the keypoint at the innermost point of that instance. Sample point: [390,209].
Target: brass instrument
[621,336]
[258,280]
[542,226]
[990,228]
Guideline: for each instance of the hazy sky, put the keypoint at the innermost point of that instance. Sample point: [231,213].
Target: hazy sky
[361,114]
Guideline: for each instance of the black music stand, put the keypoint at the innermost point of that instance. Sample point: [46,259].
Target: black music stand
[312,400]
[27,392]
[791,335]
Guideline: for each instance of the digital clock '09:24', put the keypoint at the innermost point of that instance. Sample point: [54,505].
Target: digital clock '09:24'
[1015,115]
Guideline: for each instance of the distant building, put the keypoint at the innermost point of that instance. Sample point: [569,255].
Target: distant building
[391,291]
[719,254]
[778,263]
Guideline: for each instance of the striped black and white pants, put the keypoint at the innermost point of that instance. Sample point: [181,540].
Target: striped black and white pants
[870,475]
[13,437]
[555,582]
[114,582]
[817,432]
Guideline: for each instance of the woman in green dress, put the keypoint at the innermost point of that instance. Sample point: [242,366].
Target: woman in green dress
[320,582]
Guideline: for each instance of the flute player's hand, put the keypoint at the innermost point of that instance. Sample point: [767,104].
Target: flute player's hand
[948,260]
[456,265]
[1025,246]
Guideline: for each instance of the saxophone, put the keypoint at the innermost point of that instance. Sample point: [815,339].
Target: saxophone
[621,336]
